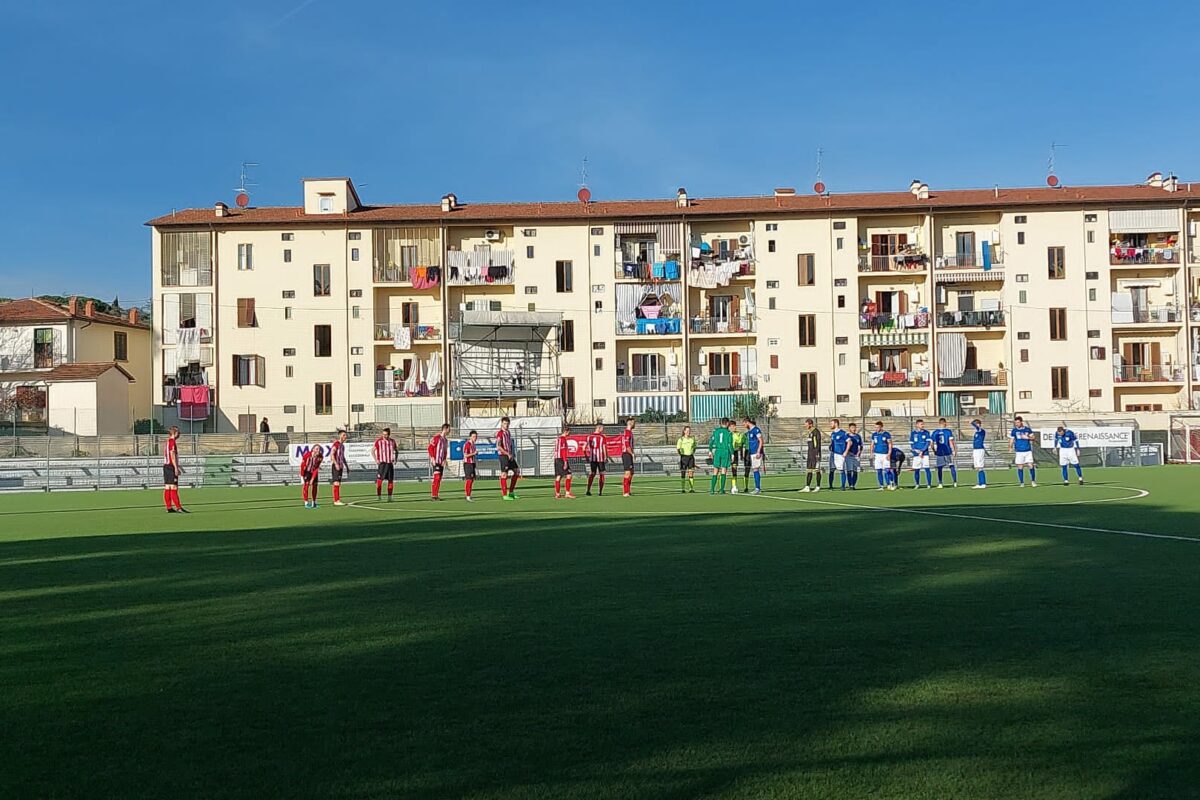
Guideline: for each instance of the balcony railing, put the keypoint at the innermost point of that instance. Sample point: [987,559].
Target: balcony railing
[971,260]
[479,267]
[28,360]
[644,271]
[977,377]
[891,323]
[1134,256]
[1148,315]
[386,332]
[971,319]
[911,261]
[649,383]
[731,325]
[896,379]
[659,326]
[1163,373]
[395,388]
[725,383]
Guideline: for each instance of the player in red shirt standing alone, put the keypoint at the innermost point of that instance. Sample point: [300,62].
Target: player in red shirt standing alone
[310,474]
[171,473]
[562,467]
[627,456]
[337,464]
[509,471]
[597,455]
[439,451]
[469,454]
[385,459]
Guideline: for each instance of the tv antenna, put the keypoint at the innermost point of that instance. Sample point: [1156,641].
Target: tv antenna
[244,185]
[1051,178]
[819,186]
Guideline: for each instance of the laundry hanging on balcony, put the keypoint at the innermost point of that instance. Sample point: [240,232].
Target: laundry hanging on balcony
[187,345]
[403,338]
[952,355]
[433,375]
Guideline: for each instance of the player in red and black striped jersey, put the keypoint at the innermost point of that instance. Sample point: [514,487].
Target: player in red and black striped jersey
[310,474]
[509,471]
[439,451]
[562,467]
[337,465]
[470,453]
[385,460]
[627,456]
[171,473]
[597,455]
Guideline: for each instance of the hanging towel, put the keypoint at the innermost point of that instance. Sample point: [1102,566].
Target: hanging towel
[187,346]
[402,339]
[952,355]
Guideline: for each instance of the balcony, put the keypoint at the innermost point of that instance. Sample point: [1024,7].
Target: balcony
[480,267]
[729,326]
[385,389]
[31,360]
[646,326]
[912,259]
[892,323]
[994,258]
[1141,256]
[725,383]
[647,272]
[417,334]
[977,377]
[897,379]
[1163,373]
[971,319]
[1148,316]
[649,383]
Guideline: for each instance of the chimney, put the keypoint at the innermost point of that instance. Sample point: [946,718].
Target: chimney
[89,308]
[449,202]
[922,192]
[73,306]
[220,209]
[133,316]
[1171,184]
[1155,180]
[682,198]
[915,186]
[785,191]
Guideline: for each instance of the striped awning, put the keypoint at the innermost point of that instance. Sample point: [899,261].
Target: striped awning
[1143,220]
[667,234]
[712,406]
[969,275]
[633,405]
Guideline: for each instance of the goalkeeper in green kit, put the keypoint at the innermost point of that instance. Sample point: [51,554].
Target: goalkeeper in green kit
[720,446]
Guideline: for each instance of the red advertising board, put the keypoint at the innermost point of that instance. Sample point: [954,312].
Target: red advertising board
[577,446]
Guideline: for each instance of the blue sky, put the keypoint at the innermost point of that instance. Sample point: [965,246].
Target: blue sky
[114,112]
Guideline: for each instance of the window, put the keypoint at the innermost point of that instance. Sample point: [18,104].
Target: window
[599,364]
[1144,407]
[1091,276]
[249,371]
[808,330]
[287,256]
[529,251]
[1091,237]
[1020,237]
[597,345]
[841,301]
[530,290]
[598,306]
[840,225]
[529,233]
[410,313]
[808,388]
[356,351]
[772,284]
[1022,297]
[806,269]
[601,403]
[120,346]
[287,312]
[771,303]
[355,312]
[568,393]
[1022,278]
[531,307]
[1092,295]
[774,361]
[1095,393]
[358,408]
[325,204]
[841,243]
[1093,333]
[839,282]
[324,398]
[493,305]
[1023,335]
[841,359]
[1024,355]
[247,423]
[355,236]
[770,245]
[566,336]
[245,256]
[321,282]
[246,318]
[841,340]
[563,277]
[1056,260]
[843,398]
[596,250]
[288,294]
[597,231]
[289,351]
[356,292]
[1024,394]
[287,237]
[354,254]
[1089,217]
[358,370]
[772,342]
[1098,353]
[772,226]
[322,341]
[289,372]
[1059,388]
[1058,324]
[1019,219]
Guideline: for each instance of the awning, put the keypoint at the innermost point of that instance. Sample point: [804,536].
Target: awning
[713,406]
[1143,220]
[667,234]
[633,405]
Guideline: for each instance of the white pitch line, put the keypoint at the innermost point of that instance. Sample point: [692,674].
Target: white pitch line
[1140,493]
[476,512]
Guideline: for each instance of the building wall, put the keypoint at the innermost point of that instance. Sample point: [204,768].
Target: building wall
[74,406]
[95,342]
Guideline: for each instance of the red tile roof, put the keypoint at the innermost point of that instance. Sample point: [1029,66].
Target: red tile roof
[84,371]
[33,309]
[769,205]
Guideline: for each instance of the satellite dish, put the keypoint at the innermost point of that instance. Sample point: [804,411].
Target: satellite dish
[1052,181]
[242,199]
[819,187]
[585,194]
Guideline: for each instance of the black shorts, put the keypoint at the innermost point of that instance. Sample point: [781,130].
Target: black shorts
[746,458]
[169,476]
[599,466]
[509,465]
[814,459]
[687,462]
[386,472]
[309,476]
[469,470]
[439,468]
[562,468]
[627,462]
[337,474]
[897,463]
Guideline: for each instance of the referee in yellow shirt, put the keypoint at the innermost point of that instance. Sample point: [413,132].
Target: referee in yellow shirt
[686,446]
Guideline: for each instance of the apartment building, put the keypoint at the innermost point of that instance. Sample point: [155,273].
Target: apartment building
[919,301]
[71,368]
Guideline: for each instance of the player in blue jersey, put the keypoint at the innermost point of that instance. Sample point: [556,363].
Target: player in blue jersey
[881,449]
[1067,445]
[944,450]
[839,442]
[1021,437]
[754,446]
[854,448]
[921,441]
[979,453]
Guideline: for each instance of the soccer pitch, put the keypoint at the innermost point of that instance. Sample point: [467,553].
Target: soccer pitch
[1007,643]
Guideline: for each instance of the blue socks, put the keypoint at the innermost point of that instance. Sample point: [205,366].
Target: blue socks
[929,477]
[879,477]
[953,473]
[1064,469]
[982,478]
[757,480]
[1021,476]
[1079,471]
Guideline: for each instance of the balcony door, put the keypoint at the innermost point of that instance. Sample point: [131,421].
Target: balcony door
[1141,303]
[648,371]
[723,370]
[964,248]
[43,348]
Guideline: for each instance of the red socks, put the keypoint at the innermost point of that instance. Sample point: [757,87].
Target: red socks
[626,484]
[378,488]
[437,483]
[568,484]
[557,486]
[590,479]
[512,484]
[337,492]
[470,483]
[390,485]
[503,485]
[167,498]
[304,492]
[174,497]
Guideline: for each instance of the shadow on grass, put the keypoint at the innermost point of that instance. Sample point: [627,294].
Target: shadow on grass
[818,654]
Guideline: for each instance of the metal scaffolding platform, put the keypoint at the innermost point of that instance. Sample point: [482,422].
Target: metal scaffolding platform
[505,356]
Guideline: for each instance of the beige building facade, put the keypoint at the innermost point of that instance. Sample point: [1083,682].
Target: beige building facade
[1035,300]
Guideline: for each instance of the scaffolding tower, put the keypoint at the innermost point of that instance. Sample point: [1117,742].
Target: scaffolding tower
[500,358]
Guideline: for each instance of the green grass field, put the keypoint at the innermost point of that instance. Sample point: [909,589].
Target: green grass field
[1000,644]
